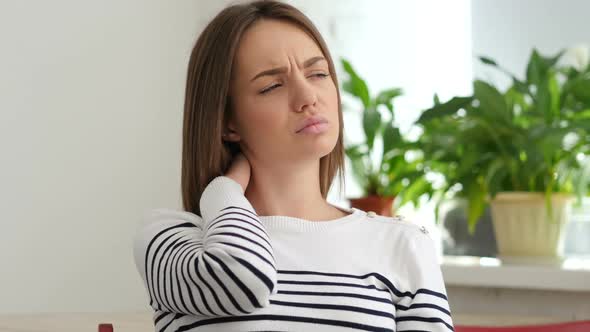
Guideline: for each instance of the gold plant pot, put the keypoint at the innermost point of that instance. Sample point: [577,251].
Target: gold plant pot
[523,229]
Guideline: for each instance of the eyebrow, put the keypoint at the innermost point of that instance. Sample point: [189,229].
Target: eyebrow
[309,62]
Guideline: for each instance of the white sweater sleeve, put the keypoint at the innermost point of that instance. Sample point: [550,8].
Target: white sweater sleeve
[218,265]
[425,307]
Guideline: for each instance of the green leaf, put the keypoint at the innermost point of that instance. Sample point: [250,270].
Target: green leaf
[396,166]
[581,90]
[445,109]
[539,66]
[436,100]
[518,84]
[515,98]
[358,155]
[385,98]
[496,175]
[391,136]
[554,96]
[491,101]
[415,189]
[488,61]
[371,125]
[356,85]
[534,70]
[543,98]
[476,196]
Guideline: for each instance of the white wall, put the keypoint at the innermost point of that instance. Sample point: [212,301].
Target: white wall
[91,117]
[90,123]
[507,31]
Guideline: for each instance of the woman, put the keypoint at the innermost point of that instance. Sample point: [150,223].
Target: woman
[263,250]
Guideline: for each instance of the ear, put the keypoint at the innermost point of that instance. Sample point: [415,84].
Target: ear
[230,133]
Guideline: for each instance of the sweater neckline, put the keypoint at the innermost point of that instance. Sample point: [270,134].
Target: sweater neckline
[298,224]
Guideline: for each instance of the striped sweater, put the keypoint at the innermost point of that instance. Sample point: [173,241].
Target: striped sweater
[233,270]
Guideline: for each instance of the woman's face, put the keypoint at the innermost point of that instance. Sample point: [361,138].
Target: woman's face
[280,78]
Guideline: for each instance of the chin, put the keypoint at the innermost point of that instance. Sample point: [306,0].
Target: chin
[325,147]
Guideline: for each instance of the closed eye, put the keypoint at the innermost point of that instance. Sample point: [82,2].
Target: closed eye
[320,75]
[272,87]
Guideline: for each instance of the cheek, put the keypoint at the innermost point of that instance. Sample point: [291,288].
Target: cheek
[328,90]
[331,100]
[262,118]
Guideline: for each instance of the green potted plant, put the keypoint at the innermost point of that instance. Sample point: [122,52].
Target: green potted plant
[393,176]
[455,159]
[522,151]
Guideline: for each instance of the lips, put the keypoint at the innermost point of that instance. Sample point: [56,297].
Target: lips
[312,120]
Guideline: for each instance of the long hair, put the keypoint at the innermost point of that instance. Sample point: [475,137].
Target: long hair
[205,155]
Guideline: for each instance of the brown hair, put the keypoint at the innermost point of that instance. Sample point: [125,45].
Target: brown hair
[207,107]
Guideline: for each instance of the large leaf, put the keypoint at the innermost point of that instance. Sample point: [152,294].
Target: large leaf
[358,160]
[391,136]
[535,68]
[445,109]
[581,90]
[547,98]
[417,187]
[518,84]
[371,125]
[496,175]
[356,85]
[539,66]
[515,98]
[491,102]
[385,98]
[476,195]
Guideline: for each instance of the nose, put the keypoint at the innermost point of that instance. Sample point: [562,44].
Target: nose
[304,95]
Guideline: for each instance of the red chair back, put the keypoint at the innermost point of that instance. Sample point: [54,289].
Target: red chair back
[578,326]
[105,327]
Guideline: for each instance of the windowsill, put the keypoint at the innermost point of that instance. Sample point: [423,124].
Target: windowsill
[573,274]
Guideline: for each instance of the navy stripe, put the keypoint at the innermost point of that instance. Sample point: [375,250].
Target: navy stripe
[284,318]
[334,307]
[151,287]
[247,230]
[203,298]
[238,282]
[168,290]
[423,305]
[327,283]
[160,317]
[248,250]
[186,281]
[170,322]
[247,221]
[166,258]
[242,237]
[215,297]
[358,296]
[223,287]
[269,284]
[175,271]
[251,215]
[381,278]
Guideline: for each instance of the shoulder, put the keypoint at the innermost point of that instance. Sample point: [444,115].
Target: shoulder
[397,223]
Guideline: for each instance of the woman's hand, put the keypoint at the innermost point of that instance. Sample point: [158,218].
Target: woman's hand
[239,170]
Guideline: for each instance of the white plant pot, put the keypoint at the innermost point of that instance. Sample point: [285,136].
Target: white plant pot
[523,229]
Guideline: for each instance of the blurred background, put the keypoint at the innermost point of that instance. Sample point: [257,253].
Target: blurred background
[91,104]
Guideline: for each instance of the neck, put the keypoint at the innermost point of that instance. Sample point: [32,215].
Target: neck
[289,190]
